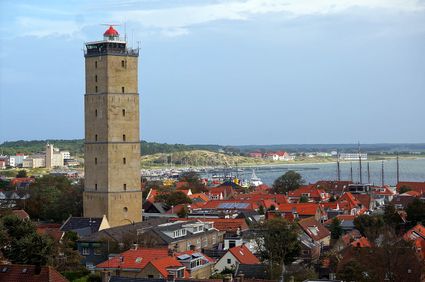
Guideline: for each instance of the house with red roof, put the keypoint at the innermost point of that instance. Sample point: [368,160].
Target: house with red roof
[222,192]
[235,256]
[315,230]
[362,242]
[29,273]
[383,195]
[415,186]
[417,236]
[164,268]
[336,188]
[311,192]
[349,204]
[50,229]
[346,221]
[304,210]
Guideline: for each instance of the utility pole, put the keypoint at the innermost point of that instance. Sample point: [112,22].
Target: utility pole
[338,169]
[368,173]
[360,166]
[382,174]
[398,170]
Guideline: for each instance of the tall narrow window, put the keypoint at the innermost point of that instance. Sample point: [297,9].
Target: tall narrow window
[122,89]
[95,78]
[95,187]
[123,137]
[123,112]
[125,187]
[95,64]
[96,88]
[95,161]
[124,161]
[95,137]
[95,112]
[122,63]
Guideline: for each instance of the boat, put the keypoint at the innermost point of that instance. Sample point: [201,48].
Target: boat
[255,180]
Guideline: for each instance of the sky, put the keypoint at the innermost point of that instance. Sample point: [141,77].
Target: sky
[224,72]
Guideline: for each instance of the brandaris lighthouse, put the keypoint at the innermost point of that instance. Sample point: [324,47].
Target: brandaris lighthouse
[112,143]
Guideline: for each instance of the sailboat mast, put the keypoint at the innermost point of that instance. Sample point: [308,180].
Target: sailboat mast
[360,166]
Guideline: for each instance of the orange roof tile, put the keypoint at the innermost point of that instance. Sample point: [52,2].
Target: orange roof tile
[416,186]
[136,259]
[244,255]
[300,208]
[362,242]
[161,264]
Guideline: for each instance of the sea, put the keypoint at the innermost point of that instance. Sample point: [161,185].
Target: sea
[409,170]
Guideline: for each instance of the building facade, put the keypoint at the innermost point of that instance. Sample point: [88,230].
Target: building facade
[112,143]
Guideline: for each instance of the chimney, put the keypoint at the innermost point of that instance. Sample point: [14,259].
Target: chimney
[241,277]
[227,278]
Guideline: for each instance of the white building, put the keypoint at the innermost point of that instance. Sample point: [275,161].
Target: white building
[54,158]
[353,156]
[34,161]
[235,256]
[16,161]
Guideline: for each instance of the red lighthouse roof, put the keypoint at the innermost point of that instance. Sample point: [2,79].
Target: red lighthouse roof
[111,32]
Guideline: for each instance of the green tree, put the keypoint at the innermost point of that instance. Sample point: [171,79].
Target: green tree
[21,244]
[22,174]
[354,271]
[369,226]
[404,189]
[174,198]
[335,228]
[291,180]
[304,199]
[278,244]
[416,212]
[53,198]
[261,210]
[193,180]
[391,217]
[183,212]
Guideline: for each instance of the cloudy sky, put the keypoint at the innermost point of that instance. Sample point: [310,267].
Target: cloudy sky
[224,72]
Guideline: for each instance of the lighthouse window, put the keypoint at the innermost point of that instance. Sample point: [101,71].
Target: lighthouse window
[125,187]
[95,64]
[123,137]
[124,161]
[123,63]
[96,89]
[123,113]
[122,89]
[95,187]
[95,112]
[95,161]
[95,78]
[95,137]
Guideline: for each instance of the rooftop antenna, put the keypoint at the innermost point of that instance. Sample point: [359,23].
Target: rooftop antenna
[360,165]
[368,173]
[351,171]
[398,170]
[338,170]
[382,174]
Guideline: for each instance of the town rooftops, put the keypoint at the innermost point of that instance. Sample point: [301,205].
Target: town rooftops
[300,208]
[29,273]
[416,186]
[166,263]
[83,226]
[313,228]
[222,224]
[135,259]
[244,255]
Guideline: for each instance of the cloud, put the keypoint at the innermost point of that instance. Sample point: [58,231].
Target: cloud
[30,26]
[181,18]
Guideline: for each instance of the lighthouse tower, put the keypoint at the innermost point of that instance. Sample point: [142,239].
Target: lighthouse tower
[112,141]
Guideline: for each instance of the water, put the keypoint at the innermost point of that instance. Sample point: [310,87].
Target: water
[410,170]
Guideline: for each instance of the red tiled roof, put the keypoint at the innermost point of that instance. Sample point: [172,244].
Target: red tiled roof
[300,208]
[222,224]
[314,229]
[161,264]
[341,217]
[201,196]
[136,259]
[314,192]
[415,232]
[50,229]
[330,205]
[412,193]
[22,214]
[29,273]
[362,242]
[364,199]
[348,202]
[244,255]
[416,186]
